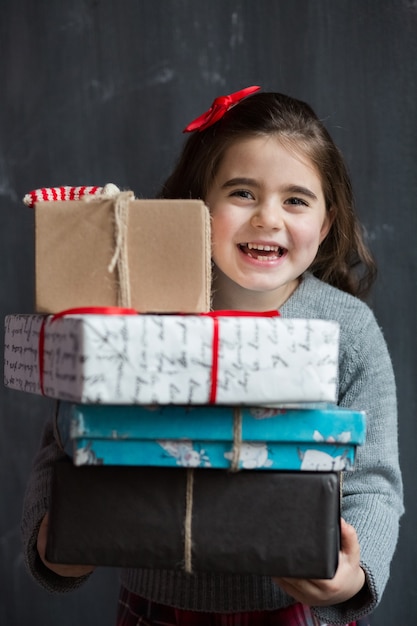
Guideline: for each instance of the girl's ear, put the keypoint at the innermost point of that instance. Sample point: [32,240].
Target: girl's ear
[327,223]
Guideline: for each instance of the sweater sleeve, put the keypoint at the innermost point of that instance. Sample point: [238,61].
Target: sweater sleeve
[372,493]
[35,505]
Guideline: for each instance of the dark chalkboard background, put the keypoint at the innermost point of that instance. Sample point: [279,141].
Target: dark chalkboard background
[98,91]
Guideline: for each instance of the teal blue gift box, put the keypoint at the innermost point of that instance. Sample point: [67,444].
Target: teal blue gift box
[319,438]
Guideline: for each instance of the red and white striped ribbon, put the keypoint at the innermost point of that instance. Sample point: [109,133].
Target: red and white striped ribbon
[65,193]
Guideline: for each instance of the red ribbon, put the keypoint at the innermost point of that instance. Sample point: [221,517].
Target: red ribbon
[219,107]
[114,310]
[87,310]
[216,341]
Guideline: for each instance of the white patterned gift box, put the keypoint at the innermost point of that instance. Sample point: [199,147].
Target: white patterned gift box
[172,359]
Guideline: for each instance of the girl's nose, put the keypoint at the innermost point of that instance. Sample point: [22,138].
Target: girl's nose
[268,216]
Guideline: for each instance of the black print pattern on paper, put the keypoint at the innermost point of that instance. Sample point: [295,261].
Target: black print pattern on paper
[168,359]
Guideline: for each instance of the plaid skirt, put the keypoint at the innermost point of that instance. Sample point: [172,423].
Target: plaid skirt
[136,611]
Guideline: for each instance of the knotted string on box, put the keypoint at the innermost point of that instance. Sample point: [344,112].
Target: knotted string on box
[189,489]
[120,258]
[121,201]
[237,425]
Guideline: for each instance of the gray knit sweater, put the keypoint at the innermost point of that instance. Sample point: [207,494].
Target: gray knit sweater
[372,493]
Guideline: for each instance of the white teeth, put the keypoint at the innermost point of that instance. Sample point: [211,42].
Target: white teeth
[259,246]
[258,258]
[264,259]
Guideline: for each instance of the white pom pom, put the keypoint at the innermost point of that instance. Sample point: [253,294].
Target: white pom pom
[110,191]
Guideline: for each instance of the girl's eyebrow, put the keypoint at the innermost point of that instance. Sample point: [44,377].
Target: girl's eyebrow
[235,182]
[251,182]
[300,189]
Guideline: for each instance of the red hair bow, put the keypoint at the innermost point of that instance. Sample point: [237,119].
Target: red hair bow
[218,109]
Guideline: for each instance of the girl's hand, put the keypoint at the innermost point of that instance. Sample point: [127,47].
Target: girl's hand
[62,570]
[347,582]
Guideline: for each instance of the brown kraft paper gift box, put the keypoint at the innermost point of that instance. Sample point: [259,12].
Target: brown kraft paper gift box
[266,523]
[167,248]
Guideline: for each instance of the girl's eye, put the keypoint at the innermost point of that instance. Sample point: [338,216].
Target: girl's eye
[242,193]
[297,201]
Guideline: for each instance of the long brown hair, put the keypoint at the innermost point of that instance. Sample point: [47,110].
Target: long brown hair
[343,258]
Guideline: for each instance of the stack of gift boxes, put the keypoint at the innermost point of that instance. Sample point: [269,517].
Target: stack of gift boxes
[194,440]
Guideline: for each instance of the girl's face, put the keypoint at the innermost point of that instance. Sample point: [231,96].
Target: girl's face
[268,220]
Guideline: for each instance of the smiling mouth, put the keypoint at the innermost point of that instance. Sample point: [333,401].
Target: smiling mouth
[262,252]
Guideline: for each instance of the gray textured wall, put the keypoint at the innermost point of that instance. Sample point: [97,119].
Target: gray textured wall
[97,91]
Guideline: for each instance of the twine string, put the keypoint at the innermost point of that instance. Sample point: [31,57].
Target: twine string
[237,439]
[189,489]
[120,256]
[188,521]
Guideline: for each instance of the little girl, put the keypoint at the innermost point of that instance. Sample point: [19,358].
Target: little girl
[284,236]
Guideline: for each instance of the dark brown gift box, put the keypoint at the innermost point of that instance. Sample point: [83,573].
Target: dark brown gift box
[267,523]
